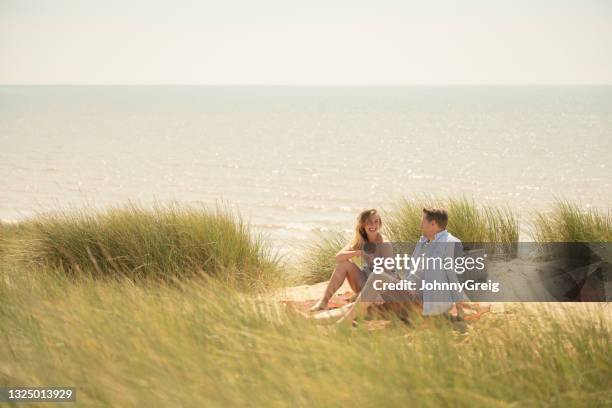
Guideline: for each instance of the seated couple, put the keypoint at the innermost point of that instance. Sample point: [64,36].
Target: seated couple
[368,243]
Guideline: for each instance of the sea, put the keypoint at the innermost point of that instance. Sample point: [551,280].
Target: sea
[299,160]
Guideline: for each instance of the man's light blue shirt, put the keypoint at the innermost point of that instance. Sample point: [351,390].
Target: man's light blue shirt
[443,245]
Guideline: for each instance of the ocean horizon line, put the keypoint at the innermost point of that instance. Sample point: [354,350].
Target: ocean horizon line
[338,85]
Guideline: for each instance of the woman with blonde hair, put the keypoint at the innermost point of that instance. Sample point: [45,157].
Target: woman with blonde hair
[363,244]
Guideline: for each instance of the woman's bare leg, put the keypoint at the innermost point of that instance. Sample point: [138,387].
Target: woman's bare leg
[343,270]
[355,279]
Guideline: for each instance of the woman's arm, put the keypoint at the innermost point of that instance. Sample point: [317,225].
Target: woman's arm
[381,248]
[347,253]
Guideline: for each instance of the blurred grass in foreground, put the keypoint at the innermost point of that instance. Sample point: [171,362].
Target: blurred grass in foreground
[134,341]
[200,343]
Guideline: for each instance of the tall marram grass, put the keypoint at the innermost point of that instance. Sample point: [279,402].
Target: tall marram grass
[12,237]
[317,262]
[568,222]
[467,221]
[203,344]
[163,242]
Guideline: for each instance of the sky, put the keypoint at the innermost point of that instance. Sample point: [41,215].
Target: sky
[313,42]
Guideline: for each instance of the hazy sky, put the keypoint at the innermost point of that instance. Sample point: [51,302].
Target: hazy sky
[305,42]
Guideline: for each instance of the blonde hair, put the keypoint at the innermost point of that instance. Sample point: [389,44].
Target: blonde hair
[361,237]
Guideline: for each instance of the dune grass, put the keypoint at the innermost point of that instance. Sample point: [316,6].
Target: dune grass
[493,228]
[191,336]
[569,222]
[317,261]
[201,343]
[162,243]
[13,237]
[467,221]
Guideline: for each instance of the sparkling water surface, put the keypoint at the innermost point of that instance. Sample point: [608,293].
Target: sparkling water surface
[295,160]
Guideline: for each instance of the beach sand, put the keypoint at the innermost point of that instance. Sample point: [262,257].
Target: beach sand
[301,297]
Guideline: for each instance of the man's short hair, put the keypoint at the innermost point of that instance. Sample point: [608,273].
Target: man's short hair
[439,215]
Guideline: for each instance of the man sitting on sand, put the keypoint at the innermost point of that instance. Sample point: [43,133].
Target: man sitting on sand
[436,243]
